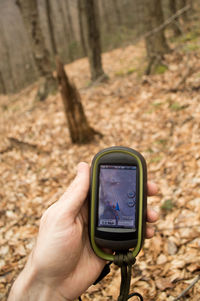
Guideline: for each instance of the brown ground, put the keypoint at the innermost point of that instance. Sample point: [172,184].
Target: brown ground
[38,161]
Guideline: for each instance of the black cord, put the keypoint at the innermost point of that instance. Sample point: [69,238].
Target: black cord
[125,261]
[129,296]
[135,294]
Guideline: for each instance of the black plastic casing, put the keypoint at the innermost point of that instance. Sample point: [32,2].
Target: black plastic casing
[118,239]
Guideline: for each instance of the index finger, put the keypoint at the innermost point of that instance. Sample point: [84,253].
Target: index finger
[152,188]
[75,195]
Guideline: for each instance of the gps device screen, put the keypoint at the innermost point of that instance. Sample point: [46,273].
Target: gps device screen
[117,196]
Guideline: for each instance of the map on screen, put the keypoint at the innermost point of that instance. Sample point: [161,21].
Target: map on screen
[117,196]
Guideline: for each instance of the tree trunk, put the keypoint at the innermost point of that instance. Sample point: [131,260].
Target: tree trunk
[71,34]
[7,73]
[156,43]
[80,21]
[79,129]
[92,37]
[106,16]
[50,26]
[184,3]
[29,11]
[2,84]
[117,12]
[69,54]
[175,24]
[70,23]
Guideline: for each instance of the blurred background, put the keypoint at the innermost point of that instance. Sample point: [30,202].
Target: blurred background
[119,22]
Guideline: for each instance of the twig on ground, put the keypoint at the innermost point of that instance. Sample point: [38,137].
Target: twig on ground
[18,144]
[178,227]
[21,145]
[189,71]
[188,288]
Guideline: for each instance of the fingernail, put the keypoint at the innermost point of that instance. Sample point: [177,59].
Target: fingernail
[80,166]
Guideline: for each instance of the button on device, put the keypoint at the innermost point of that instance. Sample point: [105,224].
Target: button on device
[131,194]
[131,203]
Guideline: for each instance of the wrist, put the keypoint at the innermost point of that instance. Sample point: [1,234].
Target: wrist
[29,287]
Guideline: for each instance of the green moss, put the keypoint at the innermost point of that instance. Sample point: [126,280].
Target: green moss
[167,205]
[149,150]
[161,141]
[175,106]
[150,111]
[156,104]
[124,73]
[191,47]
[160,69]
[120,73]
[156,159]
[131,70]
[190,36]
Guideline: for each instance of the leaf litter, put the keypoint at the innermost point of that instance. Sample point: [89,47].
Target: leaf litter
[38,161]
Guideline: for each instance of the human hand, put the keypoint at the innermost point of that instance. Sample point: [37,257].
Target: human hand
[62,264]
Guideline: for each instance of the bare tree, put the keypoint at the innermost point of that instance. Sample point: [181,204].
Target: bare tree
[105,7]
[175,25]
[70,29]
[92,37]
[80,22]
[79,128]
[117,12]
[156,43]
[2,84]
[69,19]
[8,71]
[67,35]
[183,3]
[50,26]
[29,11]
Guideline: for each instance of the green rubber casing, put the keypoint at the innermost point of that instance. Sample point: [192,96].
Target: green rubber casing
[112,155]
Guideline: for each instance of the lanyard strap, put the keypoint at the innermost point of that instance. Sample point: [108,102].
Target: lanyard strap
[125,261]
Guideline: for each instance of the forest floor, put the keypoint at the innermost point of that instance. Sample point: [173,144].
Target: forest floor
[156,115]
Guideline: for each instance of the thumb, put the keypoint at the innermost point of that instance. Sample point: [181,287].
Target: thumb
[76,193]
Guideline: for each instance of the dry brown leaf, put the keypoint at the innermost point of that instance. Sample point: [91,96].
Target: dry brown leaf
[163,283]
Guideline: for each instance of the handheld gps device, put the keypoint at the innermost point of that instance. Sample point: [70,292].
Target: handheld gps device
[118,201]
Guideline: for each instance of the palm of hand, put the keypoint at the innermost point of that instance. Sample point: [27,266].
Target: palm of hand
[62,265]
[66,257]
[85,261]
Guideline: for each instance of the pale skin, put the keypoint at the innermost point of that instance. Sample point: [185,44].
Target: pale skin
[62,264]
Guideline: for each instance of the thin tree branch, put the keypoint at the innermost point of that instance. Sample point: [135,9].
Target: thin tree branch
[168,21]
[160,27]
